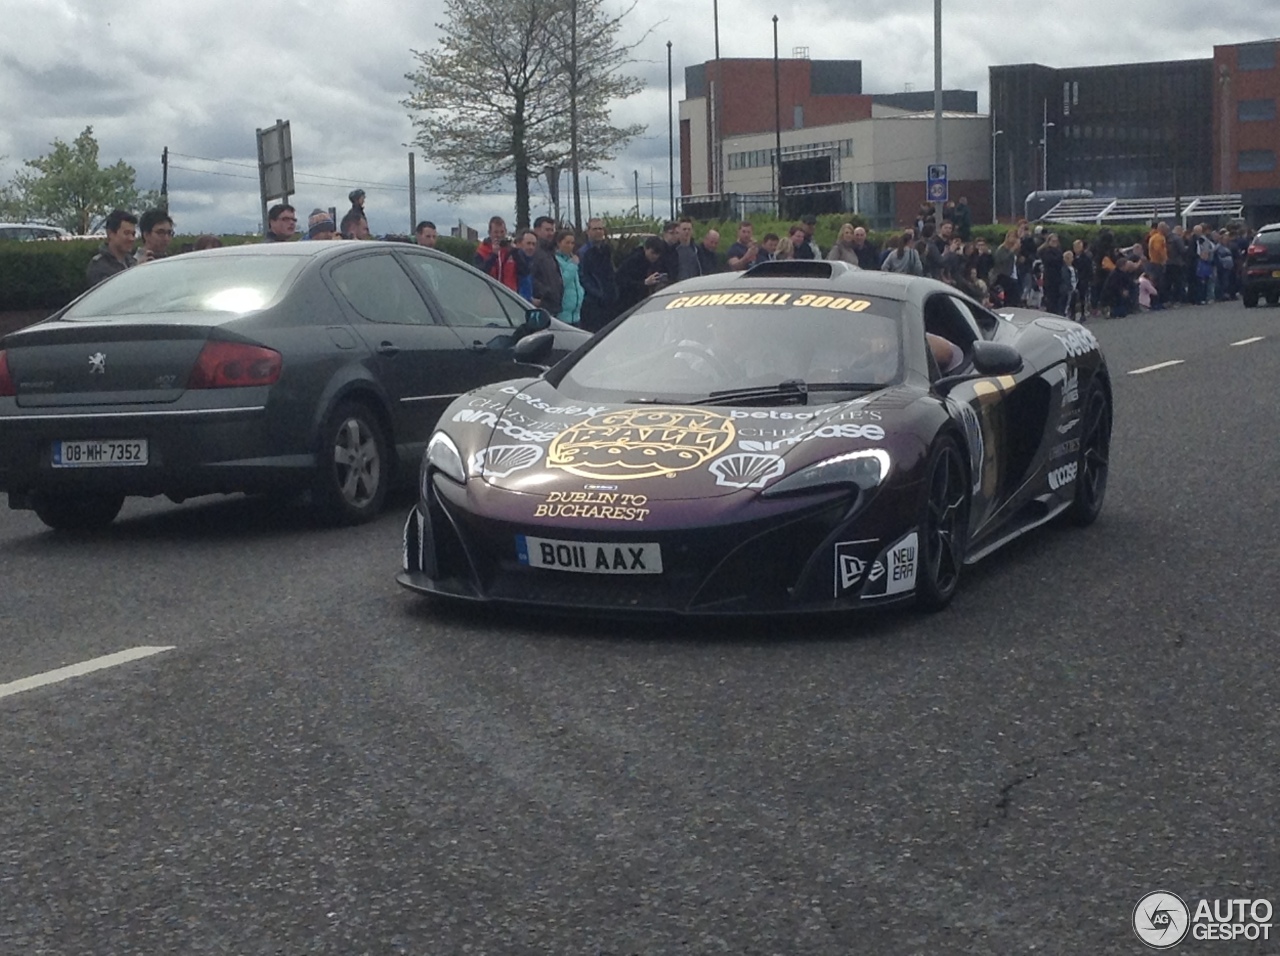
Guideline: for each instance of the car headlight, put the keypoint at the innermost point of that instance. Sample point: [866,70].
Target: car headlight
[443,455]
[865,469]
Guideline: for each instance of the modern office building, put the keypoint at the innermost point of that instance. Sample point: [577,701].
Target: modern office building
[1177,128]
[842,149]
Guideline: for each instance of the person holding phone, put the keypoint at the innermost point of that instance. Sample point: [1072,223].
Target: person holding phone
[496,257]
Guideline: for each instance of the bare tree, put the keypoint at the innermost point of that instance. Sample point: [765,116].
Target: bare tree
[497,100]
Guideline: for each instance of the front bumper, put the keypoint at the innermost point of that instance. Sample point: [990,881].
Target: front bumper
[761,557]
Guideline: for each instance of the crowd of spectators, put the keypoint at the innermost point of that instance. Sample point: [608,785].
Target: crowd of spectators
[580,281]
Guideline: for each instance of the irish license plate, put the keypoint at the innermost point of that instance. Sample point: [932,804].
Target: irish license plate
[589,557]
[99,454]
[1275,274]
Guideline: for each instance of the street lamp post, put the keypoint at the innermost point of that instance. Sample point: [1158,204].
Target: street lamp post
[994,134]
[1044,146]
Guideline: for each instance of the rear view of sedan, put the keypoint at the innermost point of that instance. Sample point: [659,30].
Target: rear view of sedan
[316,367]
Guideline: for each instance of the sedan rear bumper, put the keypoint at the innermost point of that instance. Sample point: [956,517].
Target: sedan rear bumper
[190,452]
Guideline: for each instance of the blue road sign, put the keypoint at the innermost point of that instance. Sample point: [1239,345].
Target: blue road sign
[936,182]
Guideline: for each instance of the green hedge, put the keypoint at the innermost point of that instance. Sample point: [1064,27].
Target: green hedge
[48,275]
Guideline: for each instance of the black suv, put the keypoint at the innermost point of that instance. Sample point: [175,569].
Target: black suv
[1262,267]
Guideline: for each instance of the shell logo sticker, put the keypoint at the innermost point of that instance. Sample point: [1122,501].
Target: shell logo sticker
[640,443]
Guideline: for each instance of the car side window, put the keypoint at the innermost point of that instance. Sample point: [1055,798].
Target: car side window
[943,316]
[466,298]
[378,289]
[987,322]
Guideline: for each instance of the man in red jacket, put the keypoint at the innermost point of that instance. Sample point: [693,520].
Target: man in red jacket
[495,255]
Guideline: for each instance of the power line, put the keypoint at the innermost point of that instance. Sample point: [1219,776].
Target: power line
[317,179]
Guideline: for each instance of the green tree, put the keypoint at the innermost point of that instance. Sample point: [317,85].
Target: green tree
[508,93]
[68,188]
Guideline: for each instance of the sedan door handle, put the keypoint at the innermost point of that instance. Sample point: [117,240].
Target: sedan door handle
[386,348]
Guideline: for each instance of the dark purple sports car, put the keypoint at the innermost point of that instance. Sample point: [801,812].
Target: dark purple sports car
[799,437]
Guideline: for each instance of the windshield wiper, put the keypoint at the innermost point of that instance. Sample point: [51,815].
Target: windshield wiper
[793,388]
[845,386]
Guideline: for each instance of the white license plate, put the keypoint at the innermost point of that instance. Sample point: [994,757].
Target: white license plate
[100,454]
[589,557]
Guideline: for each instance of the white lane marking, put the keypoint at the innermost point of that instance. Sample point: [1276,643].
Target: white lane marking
[76,670]
[1256,338]
[1152,368]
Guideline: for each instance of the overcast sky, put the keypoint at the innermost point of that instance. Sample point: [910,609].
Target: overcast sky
[199,78]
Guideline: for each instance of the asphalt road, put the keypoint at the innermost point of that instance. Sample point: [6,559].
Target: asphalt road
[326,764]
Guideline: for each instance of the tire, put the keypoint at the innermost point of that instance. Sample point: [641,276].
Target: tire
[1095,456]
[353,469]
[944,525]
[1273,298]
[85,512]
[1250,299]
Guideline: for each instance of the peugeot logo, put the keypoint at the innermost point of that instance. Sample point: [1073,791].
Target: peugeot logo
[98,363]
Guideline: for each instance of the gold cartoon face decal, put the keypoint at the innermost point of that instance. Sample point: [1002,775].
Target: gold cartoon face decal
[640,443]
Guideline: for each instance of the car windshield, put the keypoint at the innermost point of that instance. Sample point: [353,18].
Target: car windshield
[771,345]
[190,283]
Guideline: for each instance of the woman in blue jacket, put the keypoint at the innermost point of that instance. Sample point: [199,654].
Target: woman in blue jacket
[571,304]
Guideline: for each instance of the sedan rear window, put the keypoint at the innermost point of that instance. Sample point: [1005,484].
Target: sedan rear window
[190,283]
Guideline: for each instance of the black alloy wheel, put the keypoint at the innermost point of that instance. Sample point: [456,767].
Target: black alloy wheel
[1095,456]
[77,512]
[944,527]
[353,468]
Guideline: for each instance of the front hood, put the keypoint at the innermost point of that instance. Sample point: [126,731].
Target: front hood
[526,437]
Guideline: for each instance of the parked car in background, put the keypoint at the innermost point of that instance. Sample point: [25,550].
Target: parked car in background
[1261,276]
[28,231]
[315,366]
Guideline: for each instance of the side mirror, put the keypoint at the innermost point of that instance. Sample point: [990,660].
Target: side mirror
[534,349]
[537,319]
[996,358]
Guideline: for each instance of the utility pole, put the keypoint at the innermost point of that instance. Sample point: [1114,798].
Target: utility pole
[671,136]
[636,173]
[164,179]
[777,120]
[573,113]
[413,196]
[937,91]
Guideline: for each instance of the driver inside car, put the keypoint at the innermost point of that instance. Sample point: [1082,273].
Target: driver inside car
[946,353]
[738,348]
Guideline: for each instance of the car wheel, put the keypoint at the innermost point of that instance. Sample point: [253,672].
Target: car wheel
[1095,455]
[1273,298]
[1250,299]
[351,480]
[85,512]
[944,526]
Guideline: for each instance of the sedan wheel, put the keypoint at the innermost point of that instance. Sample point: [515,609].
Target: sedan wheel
[943,527]
[71,512]
[1095,454]
[351,481]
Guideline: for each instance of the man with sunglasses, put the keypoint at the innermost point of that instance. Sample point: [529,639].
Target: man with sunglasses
[157,232]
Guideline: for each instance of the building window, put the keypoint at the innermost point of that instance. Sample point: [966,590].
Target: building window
[1255,111]
[1256,161]
[1256,56]
[797,117]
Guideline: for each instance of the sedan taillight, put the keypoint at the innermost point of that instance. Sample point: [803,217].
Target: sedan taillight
[7,388]
[1256,250]
[234,365]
